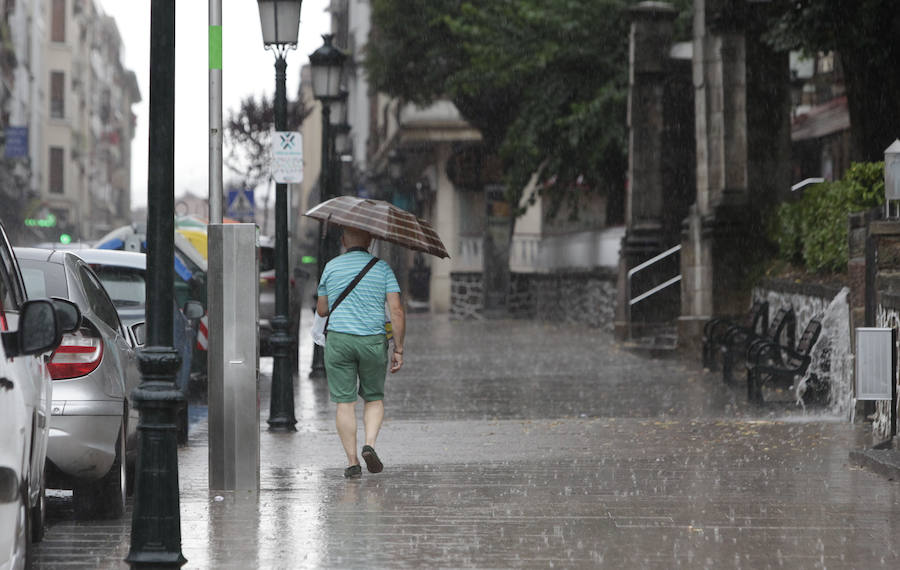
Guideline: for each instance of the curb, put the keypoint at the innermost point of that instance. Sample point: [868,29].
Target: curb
[885,462]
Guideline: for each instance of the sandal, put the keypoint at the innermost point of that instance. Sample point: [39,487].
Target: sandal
[373,464]
[353,472]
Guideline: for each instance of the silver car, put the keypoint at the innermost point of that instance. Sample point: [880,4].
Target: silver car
[123,275]
[94,370]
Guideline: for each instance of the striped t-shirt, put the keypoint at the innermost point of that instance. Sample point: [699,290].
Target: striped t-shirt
[362,311]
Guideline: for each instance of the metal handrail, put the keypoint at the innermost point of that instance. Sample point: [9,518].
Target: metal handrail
[653,260]
[658,288]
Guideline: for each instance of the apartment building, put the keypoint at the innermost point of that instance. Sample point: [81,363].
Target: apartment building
[86,121]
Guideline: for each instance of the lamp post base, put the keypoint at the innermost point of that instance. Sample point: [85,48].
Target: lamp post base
[156,522]
[281,408]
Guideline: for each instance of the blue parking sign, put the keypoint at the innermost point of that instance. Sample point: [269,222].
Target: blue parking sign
[16,142]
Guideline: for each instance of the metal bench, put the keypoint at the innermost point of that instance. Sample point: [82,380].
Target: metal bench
[716,329]
[781,330]
[772,363]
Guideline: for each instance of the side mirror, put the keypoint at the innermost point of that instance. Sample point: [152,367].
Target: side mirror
[193,310]
[139,331]
[68,315]
[38,330]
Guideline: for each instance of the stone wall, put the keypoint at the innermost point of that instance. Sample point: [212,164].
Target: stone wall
[585,297]
[466,295]
[808,299]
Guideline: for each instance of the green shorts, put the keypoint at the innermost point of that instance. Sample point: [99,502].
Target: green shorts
[348,356]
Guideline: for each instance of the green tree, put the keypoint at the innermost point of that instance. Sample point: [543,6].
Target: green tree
[813,230]
[866,36]
[545,81]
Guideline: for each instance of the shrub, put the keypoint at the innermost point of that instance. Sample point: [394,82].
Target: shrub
[813,230]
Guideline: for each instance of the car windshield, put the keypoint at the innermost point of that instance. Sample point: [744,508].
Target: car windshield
[125,286]
[43,279]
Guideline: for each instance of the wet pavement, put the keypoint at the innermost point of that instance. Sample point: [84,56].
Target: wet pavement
[514,444]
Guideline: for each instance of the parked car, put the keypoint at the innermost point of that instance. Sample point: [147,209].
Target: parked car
[123,275]
[190,283]
[29,329]
[93,432]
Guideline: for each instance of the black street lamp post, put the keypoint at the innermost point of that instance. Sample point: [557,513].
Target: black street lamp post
[339,131]
[327,64]
[280,21]
[156,519]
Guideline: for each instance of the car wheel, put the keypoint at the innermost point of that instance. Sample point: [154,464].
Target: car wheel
[104,498]
[39,515]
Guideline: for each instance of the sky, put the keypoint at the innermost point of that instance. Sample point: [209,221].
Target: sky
[247,69]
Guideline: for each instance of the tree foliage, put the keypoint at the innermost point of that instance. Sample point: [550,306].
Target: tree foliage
[866,36]
[545,81]
[813,230]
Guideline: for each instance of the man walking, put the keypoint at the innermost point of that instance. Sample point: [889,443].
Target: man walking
[357,346]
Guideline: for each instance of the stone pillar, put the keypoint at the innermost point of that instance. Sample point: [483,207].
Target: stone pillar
[446,224]
[743,155]
[882,299]
[645,202]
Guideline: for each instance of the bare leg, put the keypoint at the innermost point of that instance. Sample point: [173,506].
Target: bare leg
[345,420]
[373,415]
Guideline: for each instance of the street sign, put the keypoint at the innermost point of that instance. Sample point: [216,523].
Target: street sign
[16,142]
[287,157]
[241,205]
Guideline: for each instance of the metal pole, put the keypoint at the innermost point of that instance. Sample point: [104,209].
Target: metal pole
[156,520]
[281,410]
[318,361]
[215,111]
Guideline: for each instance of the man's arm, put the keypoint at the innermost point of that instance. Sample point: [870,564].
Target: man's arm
[398,326]
[322,305]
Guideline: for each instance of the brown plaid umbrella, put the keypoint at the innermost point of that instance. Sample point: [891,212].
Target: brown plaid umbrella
[383,220]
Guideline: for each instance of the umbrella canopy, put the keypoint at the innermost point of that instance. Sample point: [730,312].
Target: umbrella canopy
[383,220]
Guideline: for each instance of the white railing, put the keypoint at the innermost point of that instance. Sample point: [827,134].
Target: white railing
[525,253]
[632,301]
[523,256]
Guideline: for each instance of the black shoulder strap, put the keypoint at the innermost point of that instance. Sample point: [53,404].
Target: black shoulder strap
[350,287]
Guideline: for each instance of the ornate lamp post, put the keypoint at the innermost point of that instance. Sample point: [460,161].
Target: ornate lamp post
[327,65]
[280,21]
[156,520]
[340,132]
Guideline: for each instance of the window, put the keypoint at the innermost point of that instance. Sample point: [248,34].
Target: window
[9,301]
[57,164]
[58,21]
[98,299]
[124,285]
[57,94]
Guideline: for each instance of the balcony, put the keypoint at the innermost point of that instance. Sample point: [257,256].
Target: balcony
[524,255]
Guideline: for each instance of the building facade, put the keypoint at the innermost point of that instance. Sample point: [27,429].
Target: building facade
[71,100]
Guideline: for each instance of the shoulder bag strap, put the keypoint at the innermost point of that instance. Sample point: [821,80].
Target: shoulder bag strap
[350,287]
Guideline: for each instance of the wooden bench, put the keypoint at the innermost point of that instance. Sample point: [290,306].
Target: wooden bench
[781,330]
[716,329]
[772,363]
